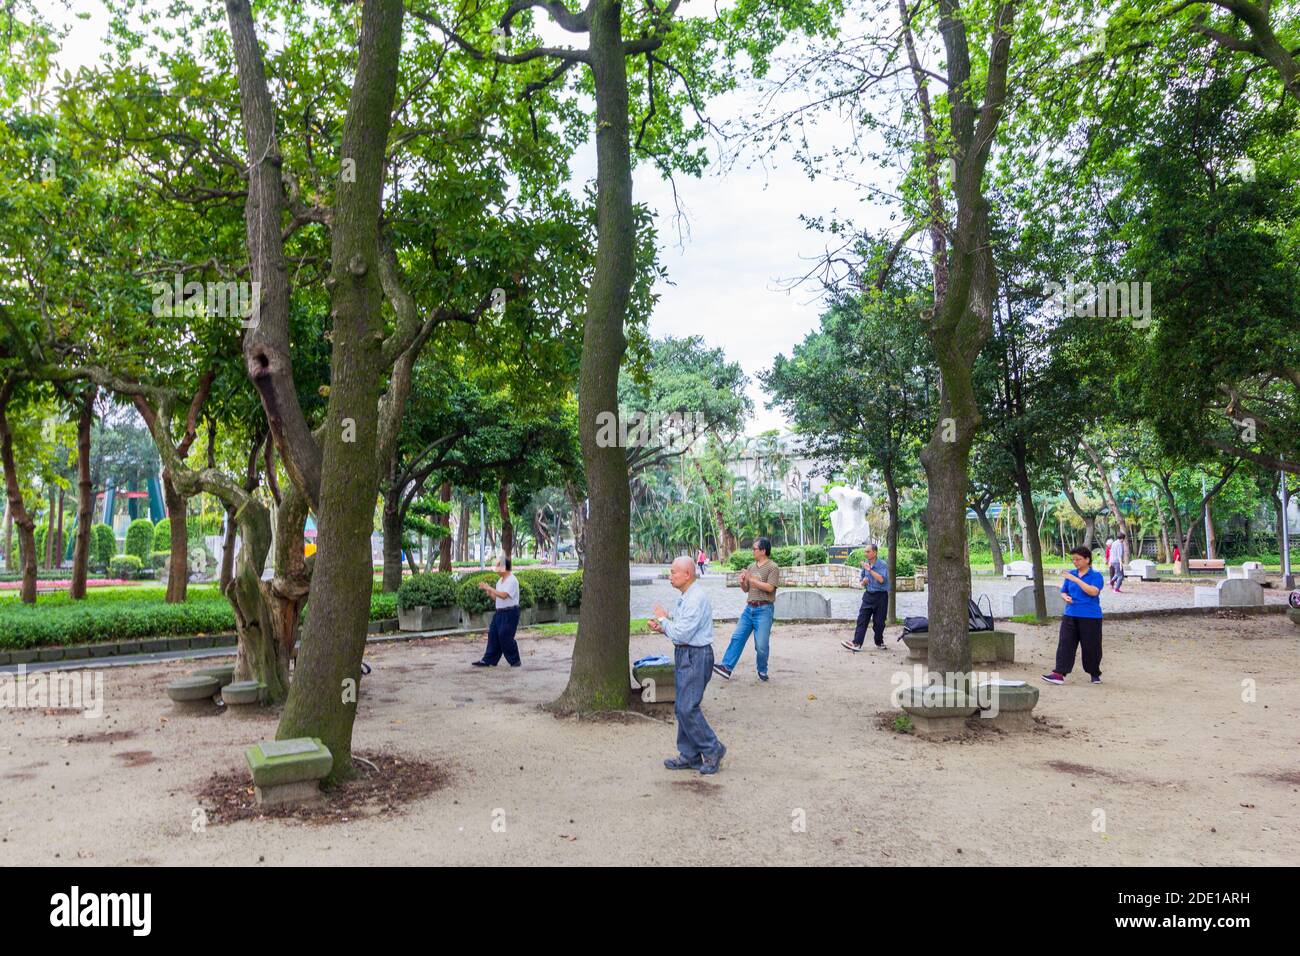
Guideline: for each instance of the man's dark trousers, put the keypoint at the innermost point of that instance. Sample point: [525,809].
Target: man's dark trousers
[874,604]
[501,637]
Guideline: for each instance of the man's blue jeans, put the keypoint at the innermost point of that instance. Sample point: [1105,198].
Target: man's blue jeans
[757,620]
[692,668]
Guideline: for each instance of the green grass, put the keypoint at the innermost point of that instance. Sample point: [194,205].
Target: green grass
[570,628]
[1028,619]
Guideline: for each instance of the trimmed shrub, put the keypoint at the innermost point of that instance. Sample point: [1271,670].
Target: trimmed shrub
[124,567]
[917,557]
[569,590]
[903,566]
[103,545]
[739,560]
[472,600]
[545,584]
[383,606]
[159,559]
[162,535]
[437,589]
[139,539]
[856,557]
[793,556]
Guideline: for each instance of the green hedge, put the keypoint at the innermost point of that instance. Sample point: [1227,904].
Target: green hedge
[739,560]
[471,599]
[545,584]
[569,590]
[139,539]
[124,567]
[437,589]
[794,556]
[903,566]
[126,615]
[103,545]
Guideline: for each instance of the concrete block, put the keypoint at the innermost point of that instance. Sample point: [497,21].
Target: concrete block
[1017,569]
[1142,569]
[657,683]
[243,692]
[224,673]
[801,604]
[275,763]
[1021,601]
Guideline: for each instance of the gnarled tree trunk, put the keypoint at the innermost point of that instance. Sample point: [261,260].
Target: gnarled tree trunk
[17,509]
[85,499]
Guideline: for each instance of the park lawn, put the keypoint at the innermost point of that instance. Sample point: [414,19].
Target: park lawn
[638,625]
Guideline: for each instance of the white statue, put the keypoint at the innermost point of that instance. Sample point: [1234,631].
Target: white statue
[849,520]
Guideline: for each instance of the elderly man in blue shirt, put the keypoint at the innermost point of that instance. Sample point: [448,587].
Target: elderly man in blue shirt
[874,581]
[691,630]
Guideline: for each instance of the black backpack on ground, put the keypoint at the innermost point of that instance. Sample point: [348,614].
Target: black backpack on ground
[978,619]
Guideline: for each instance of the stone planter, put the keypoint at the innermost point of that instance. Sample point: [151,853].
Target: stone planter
[546,613]
[482,619]
[424,618]
[568,614]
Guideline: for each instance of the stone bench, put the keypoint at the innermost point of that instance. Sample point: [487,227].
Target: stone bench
[1230,592]
[986,647]
[1142,569]
[194,688]
[1011,703]
[1249,571]
[1021,601]
[288,771]
[656,683]
[243,692]
[224,673]
[1018,569]
[795,605]
[936,710]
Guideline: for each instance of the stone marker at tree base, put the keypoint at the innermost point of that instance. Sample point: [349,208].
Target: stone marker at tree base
[1250,570]
[1012,703]
[936,710]
[192,688]
[243,692]
[656,683]
[1230,592]
[796,605]
[986,647]
[1021,602]
[224,673]
[288,771]
[1143,569]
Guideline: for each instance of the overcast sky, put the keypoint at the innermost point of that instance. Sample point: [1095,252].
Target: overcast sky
[743,238]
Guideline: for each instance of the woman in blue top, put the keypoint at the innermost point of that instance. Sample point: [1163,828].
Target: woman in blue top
[1081,624]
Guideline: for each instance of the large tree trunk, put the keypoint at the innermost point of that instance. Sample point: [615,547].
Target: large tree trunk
[462,534]
[17,509]
[598,678]
[8,543]
[507,529]
[178,563]
[59,548]
[339,610]
[391,524]
[49,530]
[85,499]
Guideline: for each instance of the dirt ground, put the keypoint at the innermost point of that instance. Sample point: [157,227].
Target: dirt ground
[1164,764]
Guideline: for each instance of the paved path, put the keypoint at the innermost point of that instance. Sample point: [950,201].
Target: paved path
[728,602]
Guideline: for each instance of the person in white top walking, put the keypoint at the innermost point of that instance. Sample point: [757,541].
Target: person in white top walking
[1118,553]
[501,632]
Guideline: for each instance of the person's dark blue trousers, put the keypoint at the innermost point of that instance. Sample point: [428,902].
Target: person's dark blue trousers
[501,637]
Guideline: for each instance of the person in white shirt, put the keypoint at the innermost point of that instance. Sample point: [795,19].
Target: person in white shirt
[505,621]
[1118,554]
